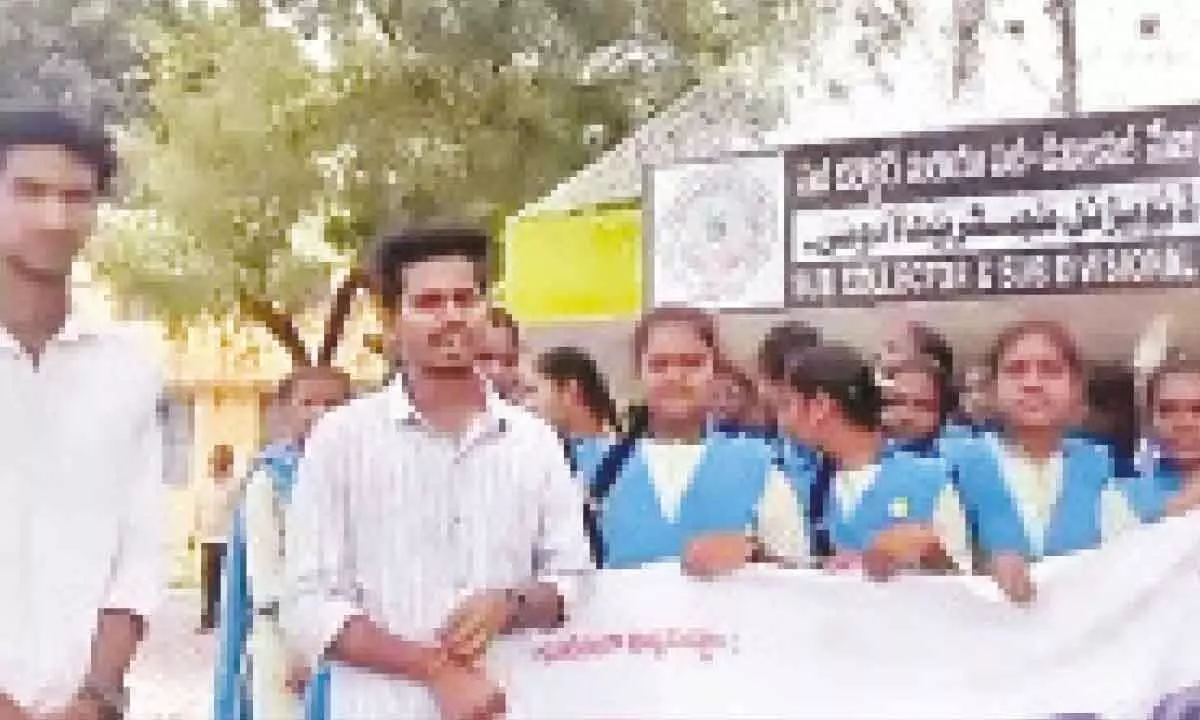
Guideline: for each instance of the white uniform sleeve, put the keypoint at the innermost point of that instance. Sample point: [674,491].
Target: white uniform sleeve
[950,524]
[1116,515]
[781,525]
[263,540]
[562,555]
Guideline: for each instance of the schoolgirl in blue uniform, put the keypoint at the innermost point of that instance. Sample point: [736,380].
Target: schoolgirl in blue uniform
[797,463]
[891,505]
[302,398]
[1170,483]
[675,481]
[1038,488]
[572,395]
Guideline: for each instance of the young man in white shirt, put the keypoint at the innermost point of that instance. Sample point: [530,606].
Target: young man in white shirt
[81,489]
[432,516]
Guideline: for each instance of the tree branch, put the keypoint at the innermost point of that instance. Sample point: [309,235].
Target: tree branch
[279,324]
[339,314]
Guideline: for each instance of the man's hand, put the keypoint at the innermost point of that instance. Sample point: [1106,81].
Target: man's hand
[1011,573]
[79,709]
[717,554]
[10,710]
[466,694]
[475,624]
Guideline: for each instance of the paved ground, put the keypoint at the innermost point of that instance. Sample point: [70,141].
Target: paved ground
[173,676]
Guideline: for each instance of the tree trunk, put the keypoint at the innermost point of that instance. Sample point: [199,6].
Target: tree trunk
[339,315]
[281,327]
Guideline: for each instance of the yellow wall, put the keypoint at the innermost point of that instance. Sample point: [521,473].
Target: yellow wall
[227,371]
[574,265]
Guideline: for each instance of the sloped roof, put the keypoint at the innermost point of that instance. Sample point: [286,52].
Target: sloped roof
[730,112]
[809,86]
[736,109]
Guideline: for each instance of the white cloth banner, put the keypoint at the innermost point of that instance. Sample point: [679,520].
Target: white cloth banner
[1111,632]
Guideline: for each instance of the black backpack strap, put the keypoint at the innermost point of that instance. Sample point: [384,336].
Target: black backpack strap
[820,542]
[977,554]
[608,471]
[569,453]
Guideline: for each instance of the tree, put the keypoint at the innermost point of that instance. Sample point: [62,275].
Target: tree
[244,138]
[425,109]
[506,98]
[77,54]
[223,167]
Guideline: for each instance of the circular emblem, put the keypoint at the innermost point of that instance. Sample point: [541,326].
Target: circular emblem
[719,234]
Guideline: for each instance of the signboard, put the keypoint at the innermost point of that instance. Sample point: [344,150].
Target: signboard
[1066,205]
[718,234]
[1109,633]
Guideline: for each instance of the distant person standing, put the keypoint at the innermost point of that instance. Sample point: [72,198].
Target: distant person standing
[82,493]
[500,355]
[217,497]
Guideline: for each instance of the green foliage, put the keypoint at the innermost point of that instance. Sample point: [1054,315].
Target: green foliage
[78,54]
[221,168]
[427,109]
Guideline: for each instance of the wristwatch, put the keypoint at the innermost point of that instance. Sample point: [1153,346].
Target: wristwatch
[112,702]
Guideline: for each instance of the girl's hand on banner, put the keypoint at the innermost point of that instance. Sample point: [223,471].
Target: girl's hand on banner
[845,561]
[1185,501]
[879,565]
[1011,573]
[902,546]
[717,554]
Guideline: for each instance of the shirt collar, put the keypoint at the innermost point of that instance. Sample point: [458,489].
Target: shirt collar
[497,413]
[78,325]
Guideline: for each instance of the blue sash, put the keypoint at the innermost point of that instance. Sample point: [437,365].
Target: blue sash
[1075,521]
[1149,492]
[723,496]
[586,453]
[232,691]
[906,488]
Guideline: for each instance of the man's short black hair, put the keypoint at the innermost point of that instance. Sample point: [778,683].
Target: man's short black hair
[22,125]
[395,251]
[842,374]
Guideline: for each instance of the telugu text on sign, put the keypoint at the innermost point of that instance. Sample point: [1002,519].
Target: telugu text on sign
[1107,201]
